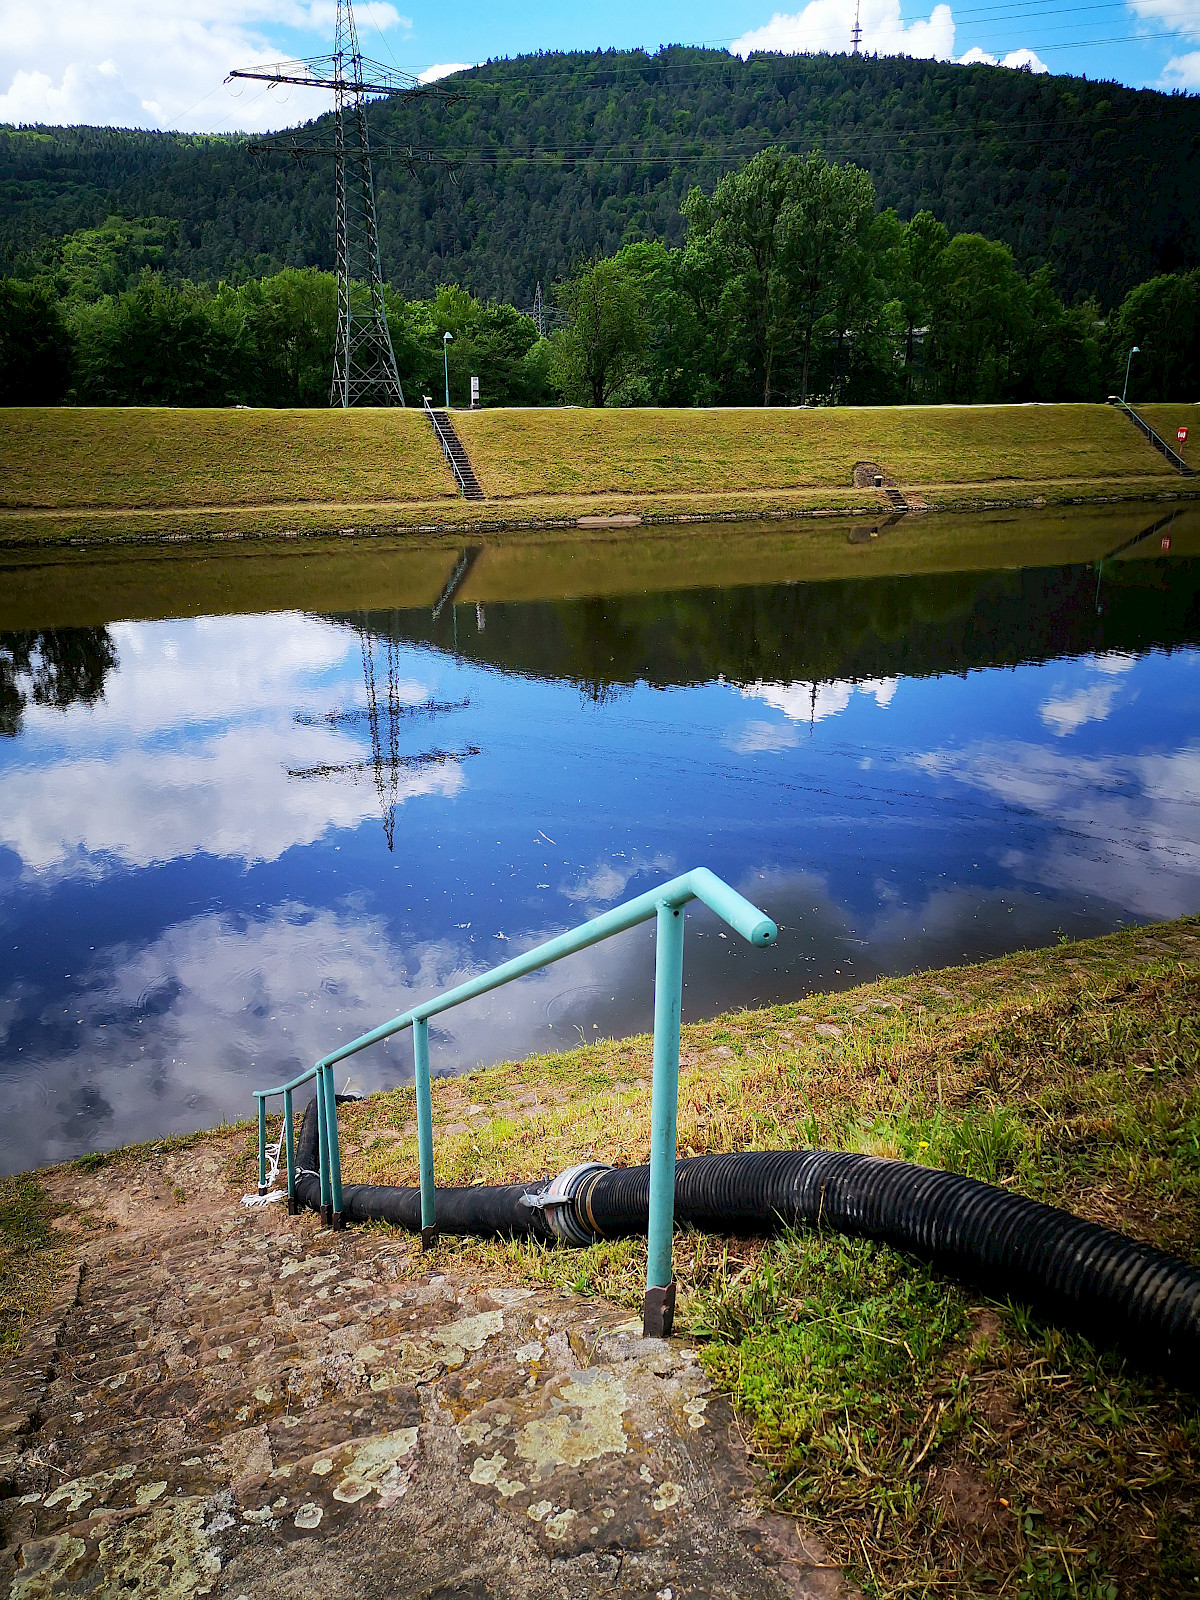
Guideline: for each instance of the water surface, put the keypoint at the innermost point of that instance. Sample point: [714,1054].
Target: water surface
[253,803]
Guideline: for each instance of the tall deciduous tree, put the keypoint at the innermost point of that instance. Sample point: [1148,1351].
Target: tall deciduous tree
[604,334]
[827,211]
[785,234]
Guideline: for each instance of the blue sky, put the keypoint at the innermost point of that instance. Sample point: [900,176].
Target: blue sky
[161,63]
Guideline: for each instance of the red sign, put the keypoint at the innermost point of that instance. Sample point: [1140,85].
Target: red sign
[1166,542]
[1181,435]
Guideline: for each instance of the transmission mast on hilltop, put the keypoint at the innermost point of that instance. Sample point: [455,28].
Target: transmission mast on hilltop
[364,363]
[856,32]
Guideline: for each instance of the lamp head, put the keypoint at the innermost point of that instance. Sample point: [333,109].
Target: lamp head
[1135,351]
[447,337]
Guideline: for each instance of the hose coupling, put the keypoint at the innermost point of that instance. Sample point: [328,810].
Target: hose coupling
[564,1203]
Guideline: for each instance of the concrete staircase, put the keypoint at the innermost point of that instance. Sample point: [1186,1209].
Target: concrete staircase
[452,448]
[222,1398]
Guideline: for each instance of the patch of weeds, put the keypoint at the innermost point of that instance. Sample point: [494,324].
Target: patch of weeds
[941,1447]
[93,1161]
[30,1262]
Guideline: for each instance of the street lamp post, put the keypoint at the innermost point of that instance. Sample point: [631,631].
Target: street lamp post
[1134,352]
[446,338]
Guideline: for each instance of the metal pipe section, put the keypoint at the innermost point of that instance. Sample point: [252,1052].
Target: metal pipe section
[334,1153]
[424,1132]
[658,1313]
[262,1145]
[323,1150]
[289,1147]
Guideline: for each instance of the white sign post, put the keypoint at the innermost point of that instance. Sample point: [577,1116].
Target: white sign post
[474,394]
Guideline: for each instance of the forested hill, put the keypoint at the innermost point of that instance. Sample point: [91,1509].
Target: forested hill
[556,156]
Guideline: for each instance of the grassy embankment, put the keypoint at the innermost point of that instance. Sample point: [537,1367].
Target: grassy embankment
[118,473]
[940,1441]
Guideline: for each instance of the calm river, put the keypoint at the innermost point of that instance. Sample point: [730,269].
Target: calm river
[255,801]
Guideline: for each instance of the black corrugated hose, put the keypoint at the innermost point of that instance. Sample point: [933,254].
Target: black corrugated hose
[1115,1290]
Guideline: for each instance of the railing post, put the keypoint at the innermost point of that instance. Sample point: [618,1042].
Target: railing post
[289,1150]
[658,1314]
[336,1219]
[262,1144]
[323,1149]
[424,1132]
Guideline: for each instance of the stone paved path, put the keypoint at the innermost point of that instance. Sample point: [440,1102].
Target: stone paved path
[232,1403]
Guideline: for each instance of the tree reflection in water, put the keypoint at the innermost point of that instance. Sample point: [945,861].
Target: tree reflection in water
[56,667]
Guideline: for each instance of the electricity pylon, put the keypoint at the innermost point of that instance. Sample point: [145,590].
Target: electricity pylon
[364,363]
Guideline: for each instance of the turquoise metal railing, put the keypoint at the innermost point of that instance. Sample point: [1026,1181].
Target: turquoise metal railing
[666,905]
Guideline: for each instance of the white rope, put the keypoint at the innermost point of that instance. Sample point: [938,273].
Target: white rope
[274,1155]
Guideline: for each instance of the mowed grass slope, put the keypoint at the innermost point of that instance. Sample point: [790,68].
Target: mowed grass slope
[143,457]
[576,452]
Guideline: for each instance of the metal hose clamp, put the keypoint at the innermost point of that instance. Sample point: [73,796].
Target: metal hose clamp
[557,1202]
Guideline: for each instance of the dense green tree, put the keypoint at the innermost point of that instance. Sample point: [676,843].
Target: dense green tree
[1161,317]
[914,282]
[980,318]
[37,351]
[828,211]
[604,332]
[739,239]
[109,259]
[288,323]
[159,344]
[677,362]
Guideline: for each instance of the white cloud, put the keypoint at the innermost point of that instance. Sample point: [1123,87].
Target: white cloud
[808,702]
[1114,663]
[443,69]
[228,796]
[1126,831]
[160,63]
[1181,72]
[1179,16]
[765,738]
[825,25]
[1066,713]
[608,880]
[1014,58]
[189,750]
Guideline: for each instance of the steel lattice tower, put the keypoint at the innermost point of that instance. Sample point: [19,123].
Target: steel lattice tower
[364,363]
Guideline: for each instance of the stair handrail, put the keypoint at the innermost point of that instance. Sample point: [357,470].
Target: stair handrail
[1155,438]
[665,905]
[431,413]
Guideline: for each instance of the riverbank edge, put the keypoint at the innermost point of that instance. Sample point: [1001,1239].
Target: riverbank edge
[1029,976]
[1030,1428]
[28,529]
